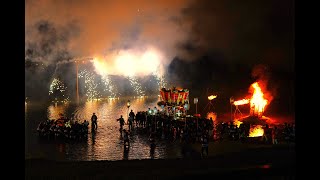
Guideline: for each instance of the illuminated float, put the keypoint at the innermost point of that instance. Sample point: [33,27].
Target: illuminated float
[174,102]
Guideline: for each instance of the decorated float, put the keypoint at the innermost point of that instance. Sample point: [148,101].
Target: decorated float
[174,102]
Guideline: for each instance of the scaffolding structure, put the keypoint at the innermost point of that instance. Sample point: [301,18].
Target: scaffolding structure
[237,113]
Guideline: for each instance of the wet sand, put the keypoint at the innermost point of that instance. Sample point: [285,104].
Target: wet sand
[226,159]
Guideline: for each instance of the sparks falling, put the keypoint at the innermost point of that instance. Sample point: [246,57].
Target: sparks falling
[90,85]
[136,86]
[58,91]
[161,81]
[56,85]
[109,86]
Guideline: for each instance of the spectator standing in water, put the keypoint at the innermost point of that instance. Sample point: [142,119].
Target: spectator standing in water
[94,120]
[131,119]
[121,121]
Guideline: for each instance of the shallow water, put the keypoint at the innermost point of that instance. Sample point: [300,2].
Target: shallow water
[105,144]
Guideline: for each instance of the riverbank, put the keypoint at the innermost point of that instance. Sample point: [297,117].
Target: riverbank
[226,159]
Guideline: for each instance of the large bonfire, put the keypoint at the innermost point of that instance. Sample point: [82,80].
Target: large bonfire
[258,104]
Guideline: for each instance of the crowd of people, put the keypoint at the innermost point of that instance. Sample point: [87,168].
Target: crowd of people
[63,128]
[161,126]
[202,130]
[66,128]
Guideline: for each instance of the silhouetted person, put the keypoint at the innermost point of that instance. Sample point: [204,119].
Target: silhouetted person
[121,121]
[131,118]
[94,120]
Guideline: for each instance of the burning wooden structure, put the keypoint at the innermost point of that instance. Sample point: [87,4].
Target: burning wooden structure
[255,120]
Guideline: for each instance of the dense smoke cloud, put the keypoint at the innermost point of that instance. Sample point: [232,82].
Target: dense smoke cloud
[96,27]
[57,31]
[248,32]
[205,43]
[251,32]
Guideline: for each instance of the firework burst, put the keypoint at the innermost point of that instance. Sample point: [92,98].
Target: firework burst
[136,86]
[161,81]
[109,86]
[58,90]
[90,85]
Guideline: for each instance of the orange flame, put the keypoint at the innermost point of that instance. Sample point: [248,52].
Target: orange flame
[211,97]
[212,115]
[257,102]
[256,131]
[241,102]
[237,122]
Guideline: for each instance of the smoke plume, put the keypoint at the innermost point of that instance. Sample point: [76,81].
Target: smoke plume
[57,30]
[261,74]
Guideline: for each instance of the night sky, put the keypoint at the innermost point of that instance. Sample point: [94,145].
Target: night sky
[210,46]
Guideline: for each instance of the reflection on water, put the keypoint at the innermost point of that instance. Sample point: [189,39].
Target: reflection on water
[104,144]
[54,111]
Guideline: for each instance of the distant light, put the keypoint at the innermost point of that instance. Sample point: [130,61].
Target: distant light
[128,103]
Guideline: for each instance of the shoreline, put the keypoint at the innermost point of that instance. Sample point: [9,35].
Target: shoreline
[262,160]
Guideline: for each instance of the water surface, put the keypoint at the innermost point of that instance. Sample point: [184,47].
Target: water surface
[105,144]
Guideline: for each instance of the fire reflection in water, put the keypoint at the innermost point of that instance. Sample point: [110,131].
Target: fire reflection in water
[55,111]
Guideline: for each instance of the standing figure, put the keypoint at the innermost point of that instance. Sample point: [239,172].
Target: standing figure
[121,121]
[131,119]
[94,119]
